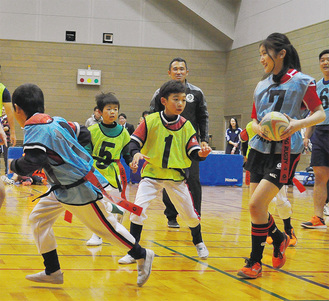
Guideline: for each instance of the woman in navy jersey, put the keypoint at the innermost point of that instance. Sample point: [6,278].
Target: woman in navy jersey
[272,164]
[232,137]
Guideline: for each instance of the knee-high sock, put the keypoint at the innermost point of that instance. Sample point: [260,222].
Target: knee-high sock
[137,252]
[273,231]
[51,262]
[196,234]
[287,225]
[258,239]
[136,231]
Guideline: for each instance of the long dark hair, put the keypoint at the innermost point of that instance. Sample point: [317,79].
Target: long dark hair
[277,42]
[236,123]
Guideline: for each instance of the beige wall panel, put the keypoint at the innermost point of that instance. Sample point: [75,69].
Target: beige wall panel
[228,80]
[132,73]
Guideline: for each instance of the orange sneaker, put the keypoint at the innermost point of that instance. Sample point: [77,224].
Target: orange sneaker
[251,270]
[315,223]
[293,238]
[269,240]
[279,255]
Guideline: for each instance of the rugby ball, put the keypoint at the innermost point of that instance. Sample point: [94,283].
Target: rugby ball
[273,124]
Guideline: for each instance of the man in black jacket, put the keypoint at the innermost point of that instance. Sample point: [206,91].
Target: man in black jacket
[196,112]
[122,119]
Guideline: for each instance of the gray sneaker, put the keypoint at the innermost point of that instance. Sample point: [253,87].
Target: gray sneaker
[144,267]
[55,278]
[173,224]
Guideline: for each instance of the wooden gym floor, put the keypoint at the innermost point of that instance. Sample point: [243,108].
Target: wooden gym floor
[92,273]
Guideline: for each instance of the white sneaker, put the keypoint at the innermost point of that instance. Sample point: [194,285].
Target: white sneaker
[55,278]
[326,209]
[6,180]
[127,260]
[202,250]
[94,240]
[144,267]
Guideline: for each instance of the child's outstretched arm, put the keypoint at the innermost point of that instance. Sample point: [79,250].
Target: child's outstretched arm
[134,163]
[34,159]
[135,148]
[204,151]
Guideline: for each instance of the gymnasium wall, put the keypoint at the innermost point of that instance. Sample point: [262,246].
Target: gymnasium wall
[132,73]
[257,18]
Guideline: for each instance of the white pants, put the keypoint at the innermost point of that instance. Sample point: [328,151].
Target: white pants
[93,215]
[149,189]
[108,205]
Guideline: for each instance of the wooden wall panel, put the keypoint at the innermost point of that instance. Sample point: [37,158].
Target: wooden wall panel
[132,73]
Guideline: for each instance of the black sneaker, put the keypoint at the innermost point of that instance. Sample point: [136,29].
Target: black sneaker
[173,224]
